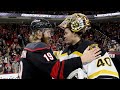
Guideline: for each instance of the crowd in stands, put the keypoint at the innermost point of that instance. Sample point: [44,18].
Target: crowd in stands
[14,37]
[108,35]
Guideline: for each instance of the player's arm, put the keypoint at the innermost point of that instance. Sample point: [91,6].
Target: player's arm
[46,61]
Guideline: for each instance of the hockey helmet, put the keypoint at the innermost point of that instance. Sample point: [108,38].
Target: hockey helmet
[38,24]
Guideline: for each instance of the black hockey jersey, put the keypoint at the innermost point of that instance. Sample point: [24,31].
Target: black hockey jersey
[39,62]
[102,67]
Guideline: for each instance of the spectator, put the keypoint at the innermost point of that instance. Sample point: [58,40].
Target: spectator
[1,67]
[15,67]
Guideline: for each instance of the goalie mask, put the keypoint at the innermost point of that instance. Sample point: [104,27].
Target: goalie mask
[76,22]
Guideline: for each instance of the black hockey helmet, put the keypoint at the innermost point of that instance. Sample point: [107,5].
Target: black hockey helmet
[39,24]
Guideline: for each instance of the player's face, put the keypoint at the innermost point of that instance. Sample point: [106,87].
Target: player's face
[68,36]
[39,34]
[47,34]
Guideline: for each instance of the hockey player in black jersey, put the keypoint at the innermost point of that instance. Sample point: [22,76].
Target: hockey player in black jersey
[38,60]
[74,27]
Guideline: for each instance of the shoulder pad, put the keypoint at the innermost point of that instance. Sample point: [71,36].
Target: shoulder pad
[36,47]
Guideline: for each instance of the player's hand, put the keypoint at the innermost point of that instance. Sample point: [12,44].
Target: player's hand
[90,55]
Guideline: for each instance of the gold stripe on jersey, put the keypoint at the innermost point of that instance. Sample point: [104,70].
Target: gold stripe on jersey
[65,56]
[77,53]
[103,72]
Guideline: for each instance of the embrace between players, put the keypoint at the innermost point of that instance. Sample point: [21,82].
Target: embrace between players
[82,59]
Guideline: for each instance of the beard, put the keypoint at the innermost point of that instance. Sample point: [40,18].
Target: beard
[46,40]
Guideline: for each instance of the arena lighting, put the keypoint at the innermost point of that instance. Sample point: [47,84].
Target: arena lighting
[43,15]
[108,14]
[10,14]
[35,15]
[50,16]
[4,14]
[18,15]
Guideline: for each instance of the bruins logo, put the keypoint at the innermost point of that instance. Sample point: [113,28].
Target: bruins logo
[93,46]
[77,25]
